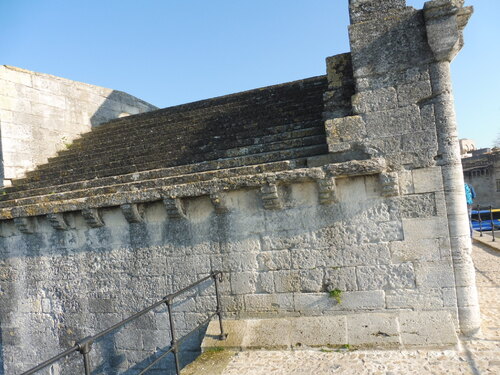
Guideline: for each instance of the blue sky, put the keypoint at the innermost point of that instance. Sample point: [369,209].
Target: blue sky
[169,52]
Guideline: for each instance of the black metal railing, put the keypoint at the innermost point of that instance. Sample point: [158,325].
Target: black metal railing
[84,347]
[491,220]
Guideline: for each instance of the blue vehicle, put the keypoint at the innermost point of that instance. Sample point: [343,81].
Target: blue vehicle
[481,219]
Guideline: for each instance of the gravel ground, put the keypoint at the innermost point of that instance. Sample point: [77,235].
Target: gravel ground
[480,355]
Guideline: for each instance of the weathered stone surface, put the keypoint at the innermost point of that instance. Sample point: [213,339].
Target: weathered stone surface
[411,93]
[434,275]
[386,277]
[373,330]
[25,225]
[375,100]
[175,208]
[344,129]
[427,180]
[421,228]
[414,299]
[327,189]
[58,221]
[270,197]
[134,213]
[393,122]
[418,206]
[42,114]
[92,217]
[262,199]
[427,329]
[415,250]
[390,184]
[364,10]
[343,279]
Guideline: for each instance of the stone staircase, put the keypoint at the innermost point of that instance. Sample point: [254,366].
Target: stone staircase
[260,126]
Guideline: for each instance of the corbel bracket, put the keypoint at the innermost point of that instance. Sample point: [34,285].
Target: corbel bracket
[92,217]
[133,212]
[175,208]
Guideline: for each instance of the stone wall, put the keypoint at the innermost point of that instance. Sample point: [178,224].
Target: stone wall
[383,253]
[41,114]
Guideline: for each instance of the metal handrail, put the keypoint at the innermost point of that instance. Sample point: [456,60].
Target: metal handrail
[85,345]
[490,208]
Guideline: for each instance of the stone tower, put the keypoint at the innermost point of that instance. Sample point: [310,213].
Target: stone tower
[401,68]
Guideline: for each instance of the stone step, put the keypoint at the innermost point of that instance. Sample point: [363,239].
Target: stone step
[185,173]
[302,103]
[299,92]
[237,130]
[266,136]
[377,330]
[167,155]
[262,158]
[83,189]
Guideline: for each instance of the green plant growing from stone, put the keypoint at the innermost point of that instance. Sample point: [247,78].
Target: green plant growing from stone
[66,142]
[336,294]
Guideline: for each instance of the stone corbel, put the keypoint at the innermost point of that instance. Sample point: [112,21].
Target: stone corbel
[270,197]
[58,221]
[25,224]
[92,217]
[175,208]
[219,202]
[327,190]
[444,22]
[134,213]
[390,184]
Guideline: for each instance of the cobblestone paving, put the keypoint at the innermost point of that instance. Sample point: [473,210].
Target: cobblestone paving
[480,355]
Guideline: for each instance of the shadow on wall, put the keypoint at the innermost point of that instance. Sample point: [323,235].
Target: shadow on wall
[1,354]
[56,119]
[119,104]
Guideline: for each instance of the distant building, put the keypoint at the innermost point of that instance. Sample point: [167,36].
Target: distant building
[466,147]
[482,171]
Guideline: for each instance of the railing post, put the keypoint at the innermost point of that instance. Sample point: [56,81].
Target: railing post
[217,278]
[173,342]
[492,224]
[84,347]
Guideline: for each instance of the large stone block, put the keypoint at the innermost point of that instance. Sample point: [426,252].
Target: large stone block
[427,180]
[362,300]
[365,10]
[318,331]
[375,100]
[243,282]
[311,280]
[269,302]
[345,129]
[392,122]
[274,260]
[434,274]
[287,281]
[376,330]
[403,30]
[424,328]
[414,299]
[342,278]
[418,206]
[413,93]
[422,228]
[398,276]
[415,250]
